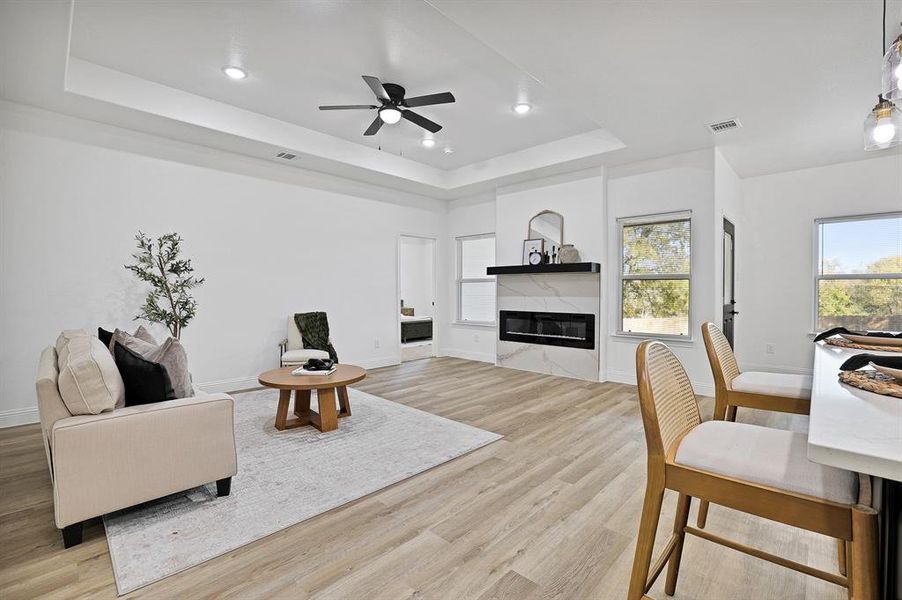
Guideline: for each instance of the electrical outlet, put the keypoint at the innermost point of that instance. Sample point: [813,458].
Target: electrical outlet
[475,337]
[376,344]
[770,348]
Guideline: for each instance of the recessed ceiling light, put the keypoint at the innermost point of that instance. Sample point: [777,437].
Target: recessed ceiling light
[235,72]
[449,150]
[428,142]
[522,108]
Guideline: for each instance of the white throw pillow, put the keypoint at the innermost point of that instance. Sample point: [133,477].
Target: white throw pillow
[89,381]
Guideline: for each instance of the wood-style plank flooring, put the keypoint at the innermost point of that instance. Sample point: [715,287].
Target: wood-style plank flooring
[550,511]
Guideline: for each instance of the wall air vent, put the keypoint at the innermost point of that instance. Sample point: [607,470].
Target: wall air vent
[286,156]
[722,126]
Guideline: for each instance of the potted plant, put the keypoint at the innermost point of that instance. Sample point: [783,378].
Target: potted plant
[159,263]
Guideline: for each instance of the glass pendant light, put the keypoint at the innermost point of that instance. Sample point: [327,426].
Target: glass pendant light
[892,71]
[883,127]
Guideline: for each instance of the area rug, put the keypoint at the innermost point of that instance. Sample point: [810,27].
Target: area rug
[283,478]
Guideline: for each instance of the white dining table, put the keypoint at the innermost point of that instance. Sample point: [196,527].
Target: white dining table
[861,431]
[851,428]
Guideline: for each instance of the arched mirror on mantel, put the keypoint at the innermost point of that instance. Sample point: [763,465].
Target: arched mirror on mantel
[549,226]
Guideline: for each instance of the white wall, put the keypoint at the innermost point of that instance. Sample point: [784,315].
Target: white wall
[579,197]
[675,183]
[467,216]
[776,245]
[416,274]
[69,212]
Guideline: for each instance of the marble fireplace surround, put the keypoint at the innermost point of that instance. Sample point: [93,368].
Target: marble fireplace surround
[551,292]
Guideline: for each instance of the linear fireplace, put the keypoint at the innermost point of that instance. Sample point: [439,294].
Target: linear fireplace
[571,330]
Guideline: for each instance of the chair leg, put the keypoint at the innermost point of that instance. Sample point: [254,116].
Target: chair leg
[731,414]
[224,487]
[865,584]
[841,556]
[702,519]
[679,524]
[645,542]
[72,534]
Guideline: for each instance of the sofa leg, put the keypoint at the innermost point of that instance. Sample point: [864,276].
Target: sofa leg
[223,487]
[72,534]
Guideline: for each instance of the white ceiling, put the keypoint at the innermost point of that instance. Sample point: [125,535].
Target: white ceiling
[611,81]
[300,55]
[800,75]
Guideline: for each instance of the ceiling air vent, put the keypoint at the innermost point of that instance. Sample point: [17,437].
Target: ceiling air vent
[722,126]
[286,156]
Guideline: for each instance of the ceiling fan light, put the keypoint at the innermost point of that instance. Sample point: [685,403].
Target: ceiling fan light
[522,108]
[428,142]
[892,71]
[389,115]
[883,126]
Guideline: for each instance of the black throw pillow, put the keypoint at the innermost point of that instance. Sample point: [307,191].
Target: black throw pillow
[105,336]
[145,381]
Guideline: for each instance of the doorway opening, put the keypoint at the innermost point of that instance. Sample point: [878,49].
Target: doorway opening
[416,277]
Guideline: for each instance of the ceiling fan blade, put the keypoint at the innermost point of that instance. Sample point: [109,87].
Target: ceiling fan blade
[421,121]
[374,126]
[443,98]
[376,86]
[349,107]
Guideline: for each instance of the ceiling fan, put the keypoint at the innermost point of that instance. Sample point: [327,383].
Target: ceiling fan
[394,106]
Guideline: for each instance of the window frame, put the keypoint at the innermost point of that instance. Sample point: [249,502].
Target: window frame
[460,280]
[816,258]
[668,217]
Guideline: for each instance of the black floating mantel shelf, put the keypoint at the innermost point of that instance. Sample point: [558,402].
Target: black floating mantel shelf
[581,267]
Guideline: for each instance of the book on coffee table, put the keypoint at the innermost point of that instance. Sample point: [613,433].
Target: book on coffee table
[303,371]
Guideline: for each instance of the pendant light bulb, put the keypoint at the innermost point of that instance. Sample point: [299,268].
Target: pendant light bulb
[883,126]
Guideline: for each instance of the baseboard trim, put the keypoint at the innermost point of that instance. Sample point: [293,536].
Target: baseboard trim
[225,386]
[376,363]
[468,355]
[702,388]
[19,416]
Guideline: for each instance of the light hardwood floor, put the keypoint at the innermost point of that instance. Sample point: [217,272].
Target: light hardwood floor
[550,511]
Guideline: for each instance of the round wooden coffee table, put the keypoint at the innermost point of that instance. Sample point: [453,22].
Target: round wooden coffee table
[326,386]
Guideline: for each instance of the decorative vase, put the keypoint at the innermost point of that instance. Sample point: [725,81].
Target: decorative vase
[569,254]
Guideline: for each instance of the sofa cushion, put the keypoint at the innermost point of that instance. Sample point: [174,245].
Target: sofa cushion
[105,336]
[69,334]
[171,354]
[143,334]
[89,382]
[146,381]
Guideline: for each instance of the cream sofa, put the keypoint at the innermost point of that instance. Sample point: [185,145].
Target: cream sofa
[291,350]
[104,462]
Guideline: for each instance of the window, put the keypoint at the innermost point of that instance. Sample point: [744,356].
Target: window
[654,274]
[858,276]
[475,289]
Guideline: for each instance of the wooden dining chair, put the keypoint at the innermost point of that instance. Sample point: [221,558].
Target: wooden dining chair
[779,392]
[757,470]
